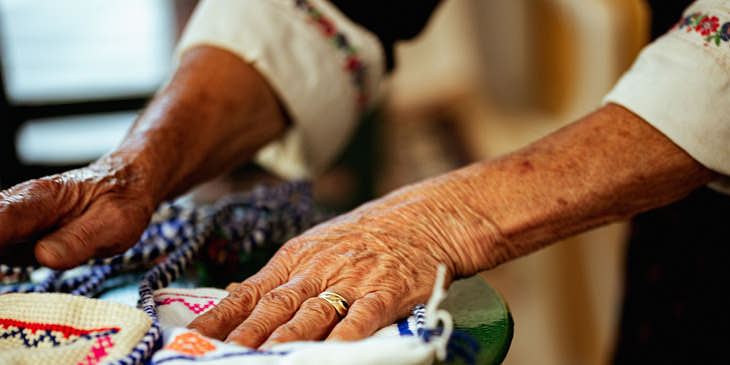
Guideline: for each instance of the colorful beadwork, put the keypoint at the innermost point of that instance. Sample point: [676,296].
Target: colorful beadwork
[706,25]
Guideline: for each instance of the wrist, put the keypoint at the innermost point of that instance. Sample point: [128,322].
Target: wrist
[442,214]
[130,174]
[214,115]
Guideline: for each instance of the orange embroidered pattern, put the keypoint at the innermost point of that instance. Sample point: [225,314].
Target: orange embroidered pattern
[191,343]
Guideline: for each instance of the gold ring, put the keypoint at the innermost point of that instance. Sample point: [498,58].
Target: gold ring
[336,301]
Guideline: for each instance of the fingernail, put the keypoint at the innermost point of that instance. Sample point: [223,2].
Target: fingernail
[52,252]
[268,345]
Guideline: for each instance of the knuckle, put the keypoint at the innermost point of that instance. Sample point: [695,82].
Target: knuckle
[226,310]
[284,298]
[289,332]
[319,308]
[251,328]
[243,294]
[236,305]
[359,321]
[380,303]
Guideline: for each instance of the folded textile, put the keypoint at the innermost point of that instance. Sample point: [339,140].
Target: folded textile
[398,343]
[263,217]
[53,328]
[184,347]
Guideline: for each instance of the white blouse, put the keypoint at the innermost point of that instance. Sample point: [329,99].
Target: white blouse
[680,84]
[327,69]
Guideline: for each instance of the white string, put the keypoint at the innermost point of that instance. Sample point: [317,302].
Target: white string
[435,315]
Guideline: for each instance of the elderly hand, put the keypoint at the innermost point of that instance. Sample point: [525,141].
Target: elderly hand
[382,258]
[90,212]
[215,114]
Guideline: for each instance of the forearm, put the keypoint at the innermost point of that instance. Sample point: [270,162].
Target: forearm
[605,167]
[215,114]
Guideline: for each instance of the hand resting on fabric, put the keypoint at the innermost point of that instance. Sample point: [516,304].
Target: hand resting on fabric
[382,257]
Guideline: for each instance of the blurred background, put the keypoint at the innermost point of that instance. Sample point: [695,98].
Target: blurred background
[483,79]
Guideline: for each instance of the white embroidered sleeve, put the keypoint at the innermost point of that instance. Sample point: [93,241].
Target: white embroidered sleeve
[680,84]
[324,68]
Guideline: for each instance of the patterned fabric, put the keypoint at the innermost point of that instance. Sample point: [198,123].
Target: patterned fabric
[323,67]
[266,216]
[45,328]
[353,63]
[399,343]
[177,307]
[679,85]
[706,25]
[39,327]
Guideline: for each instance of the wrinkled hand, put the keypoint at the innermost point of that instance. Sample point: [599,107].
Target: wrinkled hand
[375,257]
[68,218]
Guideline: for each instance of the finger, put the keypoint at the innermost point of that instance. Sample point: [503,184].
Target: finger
[105,228]
[28,208]
[312,322]
[366,315]
[242,298]
[274,309]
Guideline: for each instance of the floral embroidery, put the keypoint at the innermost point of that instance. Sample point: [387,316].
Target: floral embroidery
[706,25]
[353,62]
[725,32]
[191,343]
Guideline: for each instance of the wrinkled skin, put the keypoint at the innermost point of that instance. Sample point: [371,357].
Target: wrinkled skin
[381,279]
[213,116]
[382,257]
[95,211]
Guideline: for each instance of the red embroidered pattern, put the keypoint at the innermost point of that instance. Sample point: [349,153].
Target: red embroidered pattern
[65,330]
[706,25]
[33,334]
[195,307]
[353,62]
[161,294]
[98,351]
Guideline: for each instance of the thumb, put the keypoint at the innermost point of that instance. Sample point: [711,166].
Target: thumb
[32,207]
[107,227]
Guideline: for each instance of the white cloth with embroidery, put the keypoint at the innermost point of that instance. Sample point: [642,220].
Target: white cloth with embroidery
[59,329]
[395,344]
[311,54]
[680,84]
